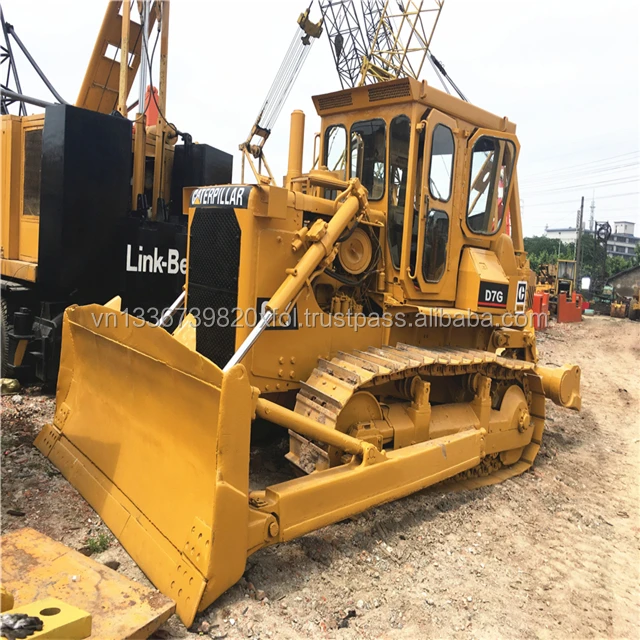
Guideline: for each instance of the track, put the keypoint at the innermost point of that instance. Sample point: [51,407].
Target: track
[334,383]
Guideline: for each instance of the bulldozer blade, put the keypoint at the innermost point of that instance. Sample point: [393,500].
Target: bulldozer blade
[140,428]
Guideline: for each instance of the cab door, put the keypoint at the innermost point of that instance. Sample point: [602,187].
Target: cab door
[433,268]
[30,190]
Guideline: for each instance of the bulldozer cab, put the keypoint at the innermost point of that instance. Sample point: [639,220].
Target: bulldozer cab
[442,172]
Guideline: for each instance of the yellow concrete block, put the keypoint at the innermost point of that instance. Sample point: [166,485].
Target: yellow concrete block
[35,567]
[61,621]
[6,599]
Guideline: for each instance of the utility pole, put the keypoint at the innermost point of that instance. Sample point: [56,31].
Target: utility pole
[592,218]
[579,224]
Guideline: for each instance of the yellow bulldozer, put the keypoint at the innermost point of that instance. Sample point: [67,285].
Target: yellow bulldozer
[375,308]
[555,279]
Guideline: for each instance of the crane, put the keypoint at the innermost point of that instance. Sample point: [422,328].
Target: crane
[8,96]
[347,41]
[395,41]
[401,41]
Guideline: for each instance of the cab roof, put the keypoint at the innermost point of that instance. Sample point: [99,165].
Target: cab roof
[408,90]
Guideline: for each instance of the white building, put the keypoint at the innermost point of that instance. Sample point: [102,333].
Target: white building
[622,242]
[566,234]
[624,228]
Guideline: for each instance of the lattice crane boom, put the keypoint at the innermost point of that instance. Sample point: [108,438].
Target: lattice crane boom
[402,40]
[372,13]
[348,45]
[384,40]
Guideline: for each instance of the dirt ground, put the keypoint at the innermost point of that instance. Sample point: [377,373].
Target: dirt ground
[553,553]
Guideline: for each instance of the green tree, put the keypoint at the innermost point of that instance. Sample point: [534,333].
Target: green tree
[543,250]
[616,264]
[537,245]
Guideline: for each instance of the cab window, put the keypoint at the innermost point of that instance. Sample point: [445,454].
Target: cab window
[491,169]
[566,270]
[506,170]
[368,152]
[399,135]
[434,258]
[441,168]
[335,150]
[32,169]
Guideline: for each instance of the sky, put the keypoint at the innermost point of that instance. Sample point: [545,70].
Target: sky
[567,73]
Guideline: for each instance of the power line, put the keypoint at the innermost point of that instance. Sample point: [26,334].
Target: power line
[584,164]
[580,174]
[546,204]
[570,212]
[614,181]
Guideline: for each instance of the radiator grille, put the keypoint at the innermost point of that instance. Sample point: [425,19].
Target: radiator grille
[214,261]
[335,101]
[382,92]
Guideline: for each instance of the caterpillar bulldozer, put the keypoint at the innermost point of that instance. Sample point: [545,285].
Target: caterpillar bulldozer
[374,308]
